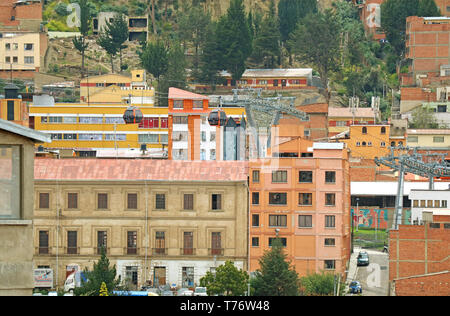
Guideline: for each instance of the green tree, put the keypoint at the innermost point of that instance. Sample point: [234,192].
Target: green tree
[428,8]
[276,276]
[85,22]
[155,59]
[175,76]
[228,280]
[105,41]
[320,284]
[266,47]
[193,27]
[210,60]
[101,273]
[423,117]
[290,12]
[235,39]
[316,42]
[118,33]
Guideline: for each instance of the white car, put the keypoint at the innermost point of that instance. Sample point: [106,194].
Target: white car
[200,291]
[184,292]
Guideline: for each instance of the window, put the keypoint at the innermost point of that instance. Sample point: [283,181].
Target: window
[441,108]
[444,203]
[115,137]
[15,59]
[437,203]
[330,177]
[438,139]
[44,200]
[430,203]
[29,60]
[203,135]
[164,138]
[358,144]
[8,46]
[72,242]
[422,203]
[364,130]
[188,243]
[330,264]
[160,201]
[102,242]
[383,130]
[364,144]
[90,137]
[28,46]
[55,119]
[7,59]
[216,243]
[180,136]
[187,277]
[382,144]
[180,120]
[435,225]
[305,199]
[330,199]
[102,200]
[70,136]
[114,120]
[132,201]
[277,220]
[160,242]
[304,221]
[178,104]
[188,201]
[132,242]
[149,122]
[255,176]
[56,136]
[131,277]
[255,241]
[10,181]
[415,203]
[198,104]
[278,198]
[255,220]
[330,242]
[216,201]
[212,136]
[164,122]
[91,120]
[43,242]
[255,198]
[330,221]
[283,241]
[305,176]
[279,176]
[72,200]
[413,139]
[148,138]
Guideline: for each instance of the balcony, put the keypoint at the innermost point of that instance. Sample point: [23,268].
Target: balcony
[72,250]
[159,251]
[43,250]
[131,250]
[187,251]
[215,251]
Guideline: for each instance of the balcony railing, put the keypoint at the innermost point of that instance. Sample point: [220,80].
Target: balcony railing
[159,251]
[43,250]
[187,251]
[131,250]
[72,250]
[215,251]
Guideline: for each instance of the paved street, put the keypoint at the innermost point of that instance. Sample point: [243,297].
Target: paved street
[374,278]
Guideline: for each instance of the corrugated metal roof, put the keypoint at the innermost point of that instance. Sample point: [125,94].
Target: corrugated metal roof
[24,131]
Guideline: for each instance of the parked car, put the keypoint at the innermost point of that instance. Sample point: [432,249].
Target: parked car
[200,291]
[167,293]
[363,259]
[184,292]
[355,287]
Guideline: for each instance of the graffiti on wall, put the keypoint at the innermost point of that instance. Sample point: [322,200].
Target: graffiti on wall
[378,218]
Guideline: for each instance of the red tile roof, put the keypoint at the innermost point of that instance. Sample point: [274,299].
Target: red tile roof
[179,94]
[139,169]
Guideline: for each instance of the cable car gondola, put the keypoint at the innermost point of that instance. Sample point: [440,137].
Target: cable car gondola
[133,115]
[217,118]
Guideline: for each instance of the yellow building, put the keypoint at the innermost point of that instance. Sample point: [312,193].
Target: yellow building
[20,51]
[368,141]
[12,108]
[429,138]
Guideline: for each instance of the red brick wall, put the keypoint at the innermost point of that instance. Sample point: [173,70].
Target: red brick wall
[431,285]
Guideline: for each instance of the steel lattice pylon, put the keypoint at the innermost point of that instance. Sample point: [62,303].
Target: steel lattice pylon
[405,159]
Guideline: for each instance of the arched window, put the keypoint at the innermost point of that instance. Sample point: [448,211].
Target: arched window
[383,130]
[364,130]
[364,144]
[392,144]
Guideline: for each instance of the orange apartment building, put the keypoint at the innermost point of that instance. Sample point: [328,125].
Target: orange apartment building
[304,199]
[316,127]
[419,261]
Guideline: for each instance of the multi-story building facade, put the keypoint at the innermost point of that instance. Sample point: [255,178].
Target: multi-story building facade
[339,119]
[137,25]
[96,124]
[368,141]
[429,138]
[16,207]
[191,137]
[303,197]
[23,42]
[160,221]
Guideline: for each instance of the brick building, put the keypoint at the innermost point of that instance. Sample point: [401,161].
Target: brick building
[419,260]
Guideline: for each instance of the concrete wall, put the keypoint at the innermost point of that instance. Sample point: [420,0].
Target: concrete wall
[16,236]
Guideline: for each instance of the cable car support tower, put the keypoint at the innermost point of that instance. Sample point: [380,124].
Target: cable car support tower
[407,160]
